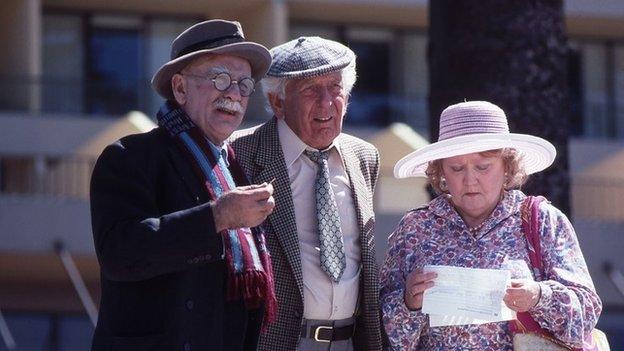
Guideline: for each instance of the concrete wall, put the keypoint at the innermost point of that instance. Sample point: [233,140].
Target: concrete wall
[597,174]
[20,62]
[602,243]
[51,135]
[33,223]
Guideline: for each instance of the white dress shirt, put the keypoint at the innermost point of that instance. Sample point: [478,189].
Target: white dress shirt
[323,298]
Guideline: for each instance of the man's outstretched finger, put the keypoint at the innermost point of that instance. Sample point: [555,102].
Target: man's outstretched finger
[262,193]
[253,186]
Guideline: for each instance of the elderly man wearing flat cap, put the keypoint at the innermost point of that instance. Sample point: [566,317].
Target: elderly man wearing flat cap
[172,210]
[321,233]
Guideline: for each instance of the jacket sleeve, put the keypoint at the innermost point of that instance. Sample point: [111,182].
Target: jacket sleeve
[403,326]
[569,306]
[133,240]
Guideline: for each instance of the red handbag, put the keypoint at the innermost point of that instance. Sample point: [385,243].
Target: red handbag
[524,323]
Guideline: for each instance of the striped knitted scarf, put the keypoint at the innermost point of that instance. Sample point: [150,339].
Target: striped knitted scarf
[250,274]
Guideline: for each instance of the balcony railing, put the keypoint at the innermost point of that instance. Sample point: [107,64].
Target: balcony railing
[66,176]
[597,198]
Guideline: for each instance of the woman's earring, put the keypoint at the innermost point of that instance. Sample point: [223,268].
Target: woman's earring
[443,185]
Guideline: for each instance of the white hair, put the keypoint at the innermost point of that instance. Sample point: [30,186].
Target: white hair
[277,85]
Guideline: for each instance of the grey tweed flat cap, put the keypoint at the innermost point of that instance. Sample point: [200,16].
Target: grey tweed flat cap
[307,57]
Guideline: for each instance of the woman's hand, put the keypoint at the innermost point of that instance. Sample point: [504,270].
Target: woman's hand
[522,295]
[415,285]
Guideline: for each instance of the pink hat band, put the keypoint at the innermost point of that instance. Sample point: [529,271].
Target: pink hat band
[470,118]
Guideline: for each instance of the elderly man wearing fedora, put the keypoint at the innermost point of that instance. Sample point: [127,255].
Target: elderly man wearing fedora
[321,233]
[482,220]
[172,209]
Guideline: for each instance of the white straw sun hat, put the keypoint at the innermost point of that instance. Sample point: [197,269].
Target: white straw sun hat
[476,126]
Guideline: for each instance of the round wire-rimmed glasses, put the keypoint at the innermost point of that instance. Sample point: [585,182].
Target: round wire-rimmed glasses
[223,81]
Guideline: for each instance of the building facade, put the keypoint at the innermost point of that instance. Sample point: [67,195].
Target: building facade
[74,69]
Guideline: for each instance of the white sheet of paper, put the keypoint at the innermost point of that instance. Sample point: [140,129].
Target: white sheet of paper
[438,320]
[466,296]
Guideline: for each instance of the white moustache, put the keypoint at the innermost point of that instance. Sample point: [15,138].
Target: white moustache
[229,105]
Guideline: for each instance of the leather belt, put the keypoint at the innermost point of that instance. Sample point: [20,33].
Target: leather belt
[327,333]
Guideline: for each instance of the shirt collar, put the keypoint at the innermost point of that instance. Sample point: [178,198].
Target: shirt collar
[293,146]
[219,151]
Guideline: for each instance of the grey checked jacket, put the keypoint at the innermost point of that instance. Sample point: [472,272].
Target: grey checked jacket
[259,152]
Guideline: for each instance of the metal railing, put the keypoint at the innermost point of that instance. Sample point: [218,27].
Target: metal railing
[79,286]
[77,281]
[597,198]
[615,275]
[66,176]
[7,336]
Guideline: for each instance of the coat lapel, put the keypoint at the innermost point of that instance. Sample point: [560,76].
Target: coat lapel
[360,194]
[271,165]
[182,165]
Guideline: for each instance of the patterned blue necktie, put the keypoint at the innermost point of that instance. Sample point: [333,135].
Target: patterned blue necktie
[333,260]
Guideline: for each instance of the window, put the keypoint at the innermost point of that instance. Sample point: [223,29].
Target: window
[618,68]
[596,83]
[595,88]
[114,49]
[371,98]
[103,64]
[63,63]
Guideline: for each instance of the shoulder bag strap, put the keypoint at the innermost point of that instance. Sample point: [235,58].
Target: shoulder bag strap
[531,229]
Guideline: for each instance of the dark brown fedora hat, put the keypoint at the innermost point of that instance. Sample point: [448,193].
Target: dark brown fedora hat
[210,37]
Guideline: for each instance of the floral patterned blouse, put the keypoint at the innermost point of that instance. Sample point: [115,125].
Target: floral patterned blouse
[435,234]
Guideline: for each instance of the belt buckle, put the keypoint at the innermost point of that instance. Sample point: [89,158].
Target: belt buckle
[318,329]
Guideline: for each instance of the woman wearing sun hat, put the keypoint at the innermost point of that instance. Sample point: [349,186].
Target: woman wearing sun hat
[477,167]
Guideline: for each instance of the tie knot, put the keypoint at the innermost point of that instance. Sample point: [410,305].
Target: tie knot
[317,156]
